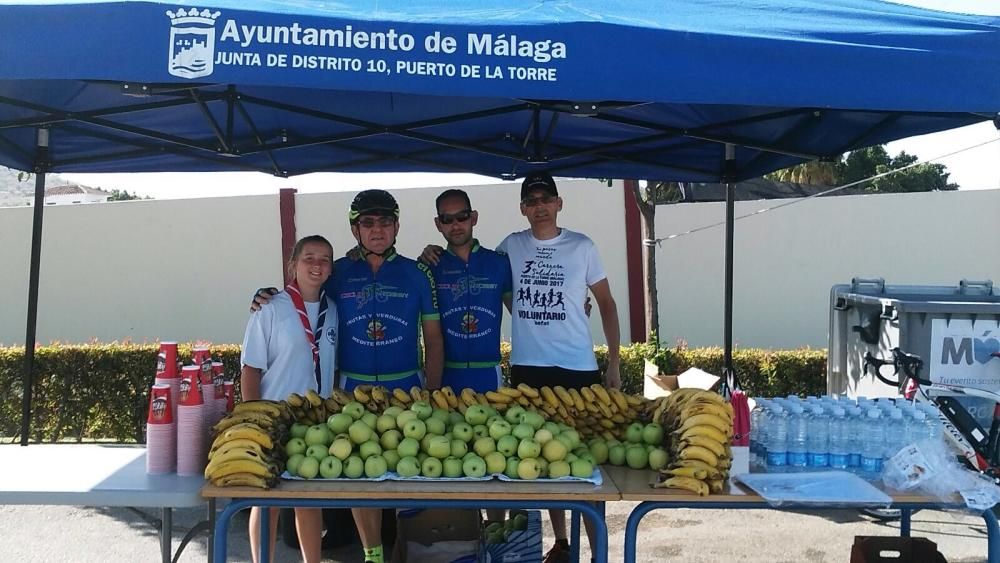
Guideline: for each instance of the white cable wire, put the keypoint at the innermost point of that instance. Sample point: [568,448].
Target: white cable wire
[794,201]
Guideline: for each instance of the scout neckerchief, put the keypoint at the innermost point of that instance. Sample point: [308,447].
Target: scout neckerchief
[313,336]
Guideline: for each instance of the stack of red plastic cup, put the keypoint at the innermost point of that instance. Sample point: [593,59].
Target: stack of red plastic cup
[208,396]
[219,379]
[161,432]
[230,391]
[191,432]
[168,372]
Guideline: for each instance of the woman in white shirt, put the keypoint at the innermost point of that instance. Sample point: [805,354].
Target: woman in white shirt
[290,347]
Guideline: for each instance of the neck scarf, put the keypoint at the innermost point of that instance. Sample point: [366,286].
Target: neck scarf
[312,336]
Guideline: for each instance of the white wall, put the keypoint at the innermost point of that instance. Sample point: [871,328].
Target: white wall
[786,260]
[185,269]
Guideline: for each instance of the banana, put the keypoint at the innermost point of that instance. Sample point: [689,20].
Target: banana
[512,392]
[713,472]
[635,401]
[549,396]
[606,423]
[706,408]
[716,485]
[401,396]
[331,405]
[258,418]
[705,442]
[706,430]
[498,398]
[243,480]
[462,407]
[608,435]
[233,454]
[380,395]
[693,472]
[221,445]
[592,408]
[295,400]
[250,432]
[618,419]
[699,453]
[687,483]
[605,409]
[394,402]
[549,410]
[709,419]
[241,465]
[341,396]
[578,401]
[449,395]
[619,399]
[269,408]
[439,400]
[482,400]
[415,393]
[314,399]
[523,401]
[588,395]
[562,412]
[602,393]
[468,397]
[563,395]
[527,390]
[361,394]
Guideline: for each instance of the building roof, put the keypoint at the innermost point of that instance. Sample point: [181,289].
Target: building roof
[70,189]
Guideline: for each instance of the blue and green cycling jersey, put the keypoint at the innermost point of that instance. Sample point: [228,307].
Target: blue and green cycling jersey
[470,298]
[380,316]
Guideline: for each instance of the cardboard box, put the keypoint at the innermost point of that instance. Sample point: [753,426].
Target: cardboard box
[656,384]
[437,536]
[521,547]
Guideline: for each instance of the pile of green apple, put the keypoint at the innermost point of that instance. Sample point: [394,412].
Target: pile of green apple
[499,532]
[435,443]
[641,449]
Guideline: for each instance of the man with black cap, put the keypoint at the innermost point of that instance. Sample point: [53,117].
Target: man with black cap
[553,269]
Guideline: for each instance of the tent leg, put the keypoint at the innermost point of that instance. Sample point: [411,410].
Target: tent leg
[729,170]
[41,165]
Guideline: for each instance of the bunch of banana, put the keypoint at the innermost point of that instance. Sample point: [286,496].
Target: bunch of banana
[312,408]
[246,453]
[699,427]
[444,398]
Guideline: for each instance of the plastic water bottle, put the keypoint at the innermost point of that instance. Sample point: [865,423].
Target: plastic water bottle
[916,429]
[756,422]
[855,430]
[839,451]
[895,429]
[777,439]
[818,440]
[798,432]
[872,444]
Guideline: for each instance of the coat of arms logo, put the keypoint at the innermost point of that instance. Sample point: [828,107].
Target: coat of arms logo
[192,42]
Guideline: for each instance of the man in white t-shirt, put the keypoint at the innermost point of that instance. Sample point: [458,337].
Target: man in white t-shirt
[553,269]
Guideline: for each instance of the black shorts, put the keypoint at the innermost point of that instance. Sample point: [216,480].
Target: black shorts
[542,376]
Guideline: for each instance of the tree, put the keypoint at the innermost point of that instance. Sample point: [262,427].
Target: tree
[867,162]
[647,198]
[123,195]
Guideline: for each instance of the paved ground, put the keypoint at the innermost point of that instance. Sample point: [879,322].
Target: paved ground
[116,535]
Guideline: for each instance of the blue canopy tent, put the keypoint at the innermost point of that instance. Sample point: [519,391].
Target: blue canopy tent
[685,90]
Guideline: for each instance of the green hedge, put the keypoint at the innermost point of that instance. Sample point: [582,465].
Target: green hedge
[100,391]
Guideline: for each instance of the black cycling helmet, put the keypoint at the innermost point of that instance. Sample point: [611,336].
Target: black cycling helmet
[373,202]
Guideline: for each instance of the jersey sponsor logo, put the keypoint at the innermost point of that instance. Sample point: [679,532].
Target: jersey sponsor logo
[473,285]
[470,323]
[540,281]
[430,278]
[378,292]
[376,330]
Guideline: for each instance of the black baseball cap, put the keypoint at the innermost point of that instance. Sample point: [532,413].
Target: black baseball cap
[538,181]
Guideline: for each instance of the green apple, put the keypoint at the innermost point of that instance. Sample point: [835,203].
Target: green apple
[468,455]
[385,423]
[459,448]
[513,414]
[292,465]
[439,447]
[423,409]
[476,414]
[359,432]
[599,450]
[431,467]
[532,419]
[507,445]
[529,448]
[369,449]
[455,417]
[435,426]
[298,430]
[553,450]
[543,436]
[565,439]
[495,462]
[330,467]
[391,459]
[308,468]
[480,431]
[474,467]
[543,466]
[658,459]
[404,417]
[587,456]
[408,466]
[390,439]
[441,414]
[483,446]
[295,446]
[317,434]
[421,456]
[452,467]
[339,423]
[616,454]
[354,409]
[425,442]
[558,469]
[375,467]
[522,431]
[511,470]
[582,469]
[393,411]
[633,433]
[353,467]
[552,427]
[462,431]
[573,436]
[341,448]
[636,457]
[528,469]
[370,419]
[499,428]
[408,447]
[570,457]
[415,429]
[652,434]
[318,451]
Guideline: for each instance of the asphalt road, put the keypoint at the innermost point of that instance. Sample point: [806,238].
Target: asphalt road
[117,535]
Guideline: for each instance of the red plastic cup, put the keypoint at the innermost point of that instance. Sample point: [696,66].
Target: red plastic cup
[230,391]
[219,379]
[160,408]
[203,358]
[190,394]
[166,360]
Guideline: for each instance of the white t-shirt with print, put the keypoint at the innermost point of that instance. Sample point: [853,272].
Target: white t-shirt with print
[551,281]
[275,342]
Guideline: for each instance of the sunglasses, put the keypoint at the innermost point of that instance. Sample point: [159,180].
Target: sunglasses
[540,200]
[369,222]
[449,218]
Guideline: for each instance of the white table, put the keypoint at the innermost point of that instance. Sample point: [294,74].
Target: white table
[100,475]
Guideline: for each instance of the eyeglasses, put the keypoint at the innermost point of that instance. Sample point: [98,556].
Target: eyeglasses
[369,222]
[540,200]
[449,218]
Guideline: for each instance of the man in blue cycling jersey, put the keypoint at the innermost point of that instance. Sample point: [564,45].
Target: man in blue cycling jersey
[472,283]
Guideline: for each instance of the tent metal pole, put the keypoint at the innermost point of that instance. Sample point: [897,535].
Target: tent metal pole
[41,165]
[728,176]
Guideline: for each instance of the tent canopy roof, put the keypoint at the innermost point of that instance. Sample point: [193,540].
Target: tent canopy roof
[586,88]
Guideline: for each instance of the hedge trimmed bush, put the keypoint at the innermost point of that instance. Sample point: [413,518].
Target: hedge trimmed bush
[101,391]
